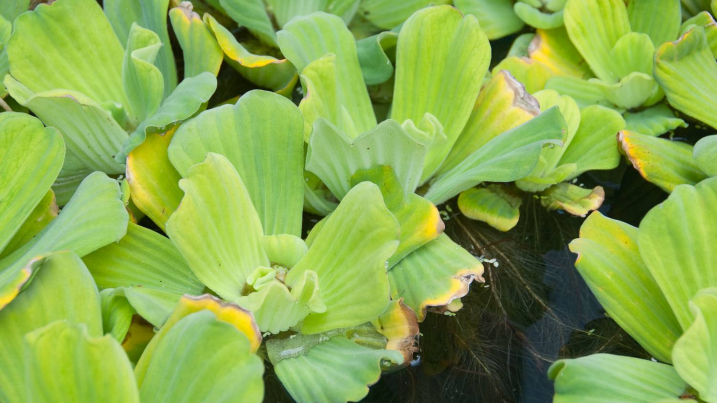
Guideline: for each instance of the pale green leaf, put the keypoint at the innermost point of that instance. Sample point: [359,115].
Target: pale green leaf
[553,48]
[62,359]
[605,378]
[594,28]
[203,359]
[633,52]
[695,355]
[142,258]
[43,213]
[49,47]
[434,275]
[190,96]
[609,261]
[653,121]
[90,133]
[31,157]
[676,241]
[574,199]
[333,85]
[631,91]
[373,54]
[705,154]
[594,146]
[664,162]
[492,204]
[532,74]
[506,158]
[216,227]
[584,92]
[573,118]
[537,18]
[334,157]
[350,256]
[335,371]
[660,19]
[117,313]
[153,180]
[200,49]
[441,60]
[388,14]
[503,104]
[10,9]
[143,82]
[285,10]
[266,152]
[687,71]
[276,308]
[94,217]
[73,172]
[149,14]
[496,18]
[251,14]
[61,289]
[263,70]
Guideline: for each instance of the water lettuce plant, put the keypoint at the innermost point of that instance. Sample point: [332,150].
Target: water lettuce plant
[656,282]
[173,228]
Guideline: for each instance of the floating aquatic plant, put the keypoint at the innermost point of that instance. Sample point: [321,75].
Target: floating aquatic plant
[167,235]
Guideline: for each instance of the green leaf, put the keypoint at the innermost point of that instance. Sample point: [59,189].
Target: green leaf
[94,217]
[73,172]
[11,9]
[605,378]
[350,256]
[90,133]
[143,82]
[285,10]
[434,275]
[324,52]
[142,258]
[334,157]
[441,60]
[705,154]
[49,47]
[496,18]
[63,360]
[276,308]
[251,14]
[190,96]
[694,355]
[117,313]
[659,19]
[491,204]
[573,118]
[594,28]
[419,219]
[553,48]
[633,52]
[216,213]
[335,371]
[594,146]
[248,134]
[573,199]
[203,359]
[200,49]
[609,261]
[43,213]
[506,158]
[149,14]
[675,240]
[687,71]
[61,289]
[388,14]
[653,121]
[229,313]
[264,71]
[373,54]
[631,91]
[502,105]
[664,162]
[532,74]
[584,92]
[537,18]
[153,180]
[30,158]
